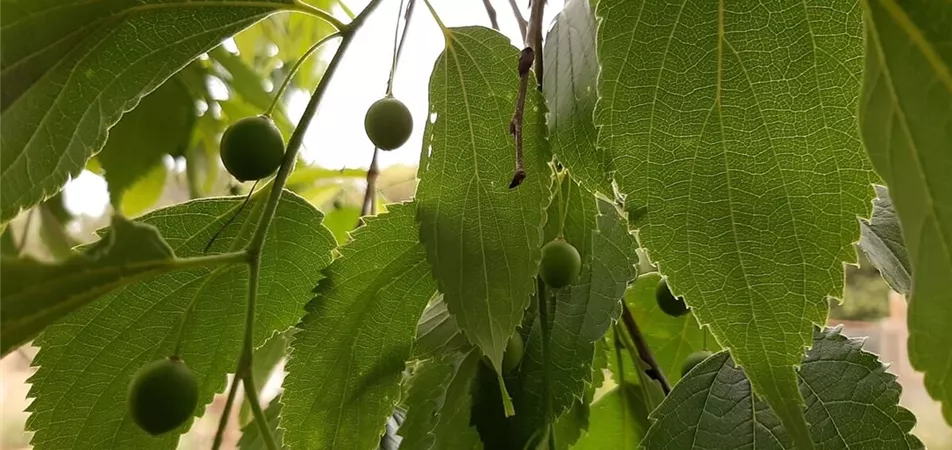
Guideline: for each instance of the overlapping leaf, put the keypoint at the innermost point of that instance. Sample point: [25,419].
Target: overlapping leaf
[571,72]
[671,339]
[619,419]
[907,126]
[482,238]
[346,360]
[71,68]
[881,240]
[438,403]
[35,294]
[87,359]
[851,403]
[731,126]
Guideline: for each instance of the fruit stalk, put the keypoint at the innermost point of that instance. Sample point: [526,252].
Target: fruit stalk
[654,370]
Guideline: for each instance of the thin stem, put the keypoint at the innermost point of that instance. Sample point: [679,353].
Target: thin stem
[191,175]
[519,19]
[534,36]
[223,423]
[491,12]
[369,207]
[396,45]
[654,370]
[436,17]
[294,69]
[251,393]
[327,17]
[515,125]
[562,205]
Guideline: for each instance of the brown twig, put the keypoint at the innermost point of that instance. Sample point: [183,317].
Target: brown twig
[654,370]
[519,19]
[491,12]
[534,36]
[515,125]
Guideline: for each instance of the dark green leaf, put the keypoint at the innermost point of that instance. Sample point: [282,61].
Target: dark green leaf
[71,68]
[732,129]
[87,360]
[618,420]
[346,360]
[35,294]
[437,333]
[438,404]
[482,238]
[907,126]
[571,71]
[851,403]
[8,245]
[881,239]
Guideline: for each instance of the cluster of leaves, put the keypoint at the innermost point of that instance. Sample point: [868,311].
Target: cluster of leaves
[724,133]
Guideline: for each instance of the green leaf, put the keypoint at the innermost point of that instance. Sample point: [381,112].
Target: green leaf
[852,403]
[342,221]
[907,126]
[439,400]
[671,339]
[251,438]
[437,333]
[265,360]
[145,192]
[569,86]
[70,69]
[482,238]
[87,360]
[582,313]
[53,231]
[249,85]
[345,365]
[35,294]
[161,124]
[881,240]
[733,131]
[618,420]
[8,245]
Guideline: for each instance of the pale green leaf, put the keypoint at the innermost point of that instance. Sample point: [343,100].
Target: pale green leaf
[71,68]
[571,71]
[35,294]
[345,364]
[160,125]
[618,420]
[851,403]
[251,438]
[482,238]
[437,333]
[87,360]
[439,399]
[881,240]
[907,126]
[342,221]
[671,339]
[733,132]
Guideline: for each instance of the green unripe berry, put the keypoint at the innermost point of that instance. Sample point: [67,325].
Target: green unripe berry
[515,348]
[671,305]
[162,396]
[692,360]
[252,148]
[560,264]
[388,123]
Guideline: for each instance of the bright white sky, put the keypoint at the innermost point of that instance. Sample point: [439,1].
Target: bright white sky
[336,137]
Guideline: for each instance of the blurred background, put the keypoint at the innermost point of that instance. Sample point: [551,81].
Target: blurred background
[166,152]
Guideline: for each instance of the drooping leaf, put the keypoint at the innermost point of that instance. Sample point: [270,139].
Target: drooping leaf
[345,364]
[907,126]
[482,238]
[881,240]
[251,438]
[439,399]
[569,86]
[87,360]
[732,129]
[160,125]
[671,339]
[35,294]
[71,68]
[851,403]
[582,312]
[618,420]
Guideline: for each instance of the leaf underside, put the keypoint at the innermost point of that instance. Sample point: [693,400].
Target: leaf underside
[732,131]
[87,360]
[881,240]
[907,126]
[851,403]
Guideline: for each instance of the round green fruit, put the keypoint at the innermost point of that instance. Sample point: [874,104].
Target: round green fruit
[560,264]
[162,396]
[692,360]
[252,148]
[671,305]
[515,348]
[388,123]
